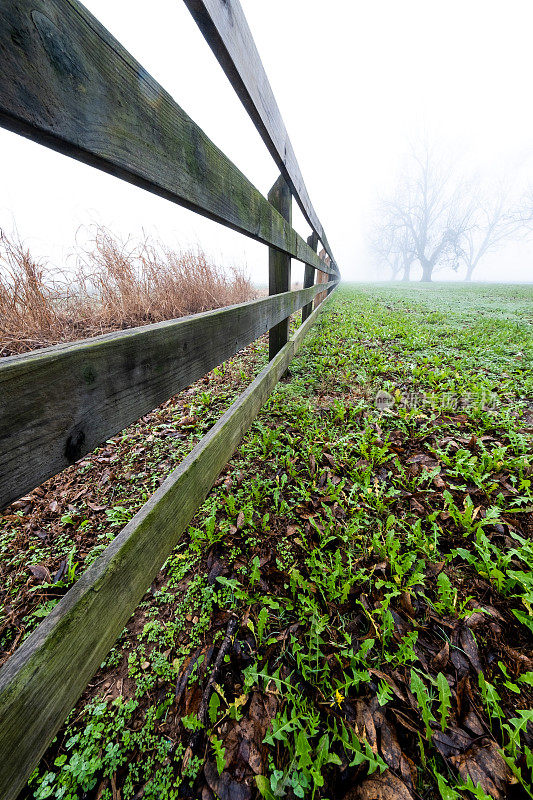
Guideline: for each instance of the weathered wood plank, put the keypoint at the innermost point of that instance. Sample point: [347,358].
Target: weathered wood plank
[309,275]
[58,403]
[279,265]
[319,298]
[41,682]
[226,30]
[67,83]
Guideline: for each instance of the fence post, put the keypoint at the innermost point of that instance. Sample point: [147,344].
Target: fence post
[279,265]
[332,277]
[321,277]
[309,275]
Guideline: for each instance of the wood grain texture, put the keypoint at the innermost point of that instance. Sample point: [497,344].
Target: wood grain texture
[43,679]
[309,275]
[319,298]
[58,403]
[67,83]
[279,265]
[226,30]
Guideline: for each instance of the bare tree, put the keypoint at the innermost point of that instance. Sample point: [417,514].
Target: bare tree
[406,252]
[492,223]
[386,247]
[392,243]
[429,209]
[522,213]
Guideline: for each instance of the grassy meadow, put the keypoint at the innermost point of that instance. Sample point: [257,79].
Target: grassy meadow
[350,614]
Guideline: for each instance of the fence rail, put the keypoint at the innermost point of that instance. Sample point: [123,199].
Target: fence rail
[225,27]
[67,83]
[41,682]
[59,403]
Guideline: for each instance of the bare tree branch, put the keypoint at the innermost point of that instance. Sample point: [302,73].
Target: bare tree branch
[493,223]
[427,216]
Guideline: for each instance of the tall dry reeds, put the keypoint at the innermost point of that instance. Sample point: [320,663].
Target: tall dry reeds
[114,285]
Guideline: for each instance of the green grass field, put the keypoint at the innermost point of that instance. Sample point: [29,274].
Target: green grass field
[350,614]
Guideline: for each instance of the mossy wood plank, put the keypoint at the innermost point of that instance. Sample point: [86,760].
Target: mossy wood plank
[227,32]
[68,84]
[41,682]
[61,402]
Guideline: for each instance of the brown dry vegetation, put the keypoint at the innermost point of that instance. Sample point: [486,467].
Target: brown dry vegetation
[114,285]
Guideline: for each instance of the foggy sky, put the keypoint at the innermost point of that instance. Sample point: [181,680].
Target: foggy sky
[354,82]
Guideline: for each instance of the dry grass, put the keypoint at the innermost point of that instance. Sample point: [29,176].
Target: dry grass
[115,285]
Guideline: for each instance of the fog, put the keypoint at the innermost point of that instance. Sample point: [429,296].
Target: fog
[356,84]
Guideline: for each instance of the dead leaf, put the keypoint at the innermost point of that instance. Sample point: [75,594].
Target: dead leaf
[240,520]
[312,464]
[416,506]
[387,678]
[471,721]
[364,725]
[451,742]
[433,570]
[449,440]
[422,458]
[463,695]
[469,646]
[475,619]
[460,661]
[516,655]
[95,507]
[246,754]
[441,659]
[329,458]
[484,615]
[224,786]
[484,764]
[407,604]
[405,721]
[188,420]
[380,787]
[22,503]
[243,749]
[40,572]
[389,746]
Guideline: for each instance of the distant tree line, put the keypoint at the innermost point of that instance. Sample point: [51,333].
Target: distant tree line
[434,220]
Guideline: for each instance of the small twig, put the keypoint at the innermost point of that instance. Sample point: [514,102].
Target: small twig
[202,711]
[185,675]
[230,630]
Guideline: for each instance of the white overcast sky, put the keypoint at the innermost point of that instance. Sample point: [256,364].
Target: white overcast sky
[354,80]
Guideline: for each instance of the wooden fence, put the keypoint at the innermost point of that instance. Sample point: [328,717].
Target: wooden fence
[67,83]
